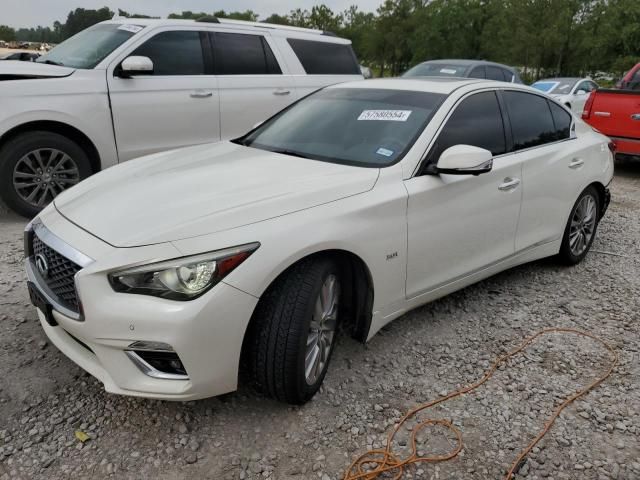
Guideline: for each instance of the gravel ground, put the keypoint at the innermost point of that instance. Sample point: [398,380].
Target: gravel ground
[44,398]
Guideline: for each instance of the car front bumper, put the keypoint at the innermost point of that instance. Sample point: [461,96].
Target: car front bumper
[205,333]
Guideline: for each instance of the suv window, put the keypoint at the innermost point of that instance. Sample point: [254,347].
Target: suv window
[323,58]
[477,121]
[531,121]
[508,75]
[478,72]
[243,54]
[174,53]
[561,121]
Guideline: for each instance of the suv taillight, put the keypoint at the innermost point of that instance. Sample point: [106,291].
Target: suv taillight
[586,112]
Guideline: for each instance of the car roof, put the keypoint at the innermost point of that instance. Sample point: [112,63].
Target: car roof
[443,85]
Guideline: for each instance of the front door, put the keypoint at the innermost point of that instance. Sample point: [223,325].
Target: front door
[176,106]
[459,225]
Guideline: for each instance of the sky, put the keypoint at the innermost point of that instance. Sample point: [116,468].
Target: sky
[30,13]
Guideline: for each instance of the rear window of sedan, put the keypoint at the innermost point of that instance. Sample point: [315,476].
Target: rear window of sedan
[437,70]
[351,126]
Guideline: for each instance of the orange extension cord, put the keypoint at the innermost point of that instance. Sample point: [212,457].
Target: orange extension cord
[386,461]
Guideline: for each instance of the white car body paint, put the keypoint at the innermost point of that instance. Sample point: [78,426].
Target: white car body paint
[128,118]
[420,237]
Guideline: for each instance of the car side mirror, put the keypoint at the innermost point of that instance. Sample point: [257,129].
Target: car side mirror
[135,65]
[465,160]
[581,92]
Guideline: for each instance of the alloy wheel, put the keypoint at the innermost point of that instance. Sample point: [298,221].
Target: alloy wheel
[322,330]
[583,225]
[42,174]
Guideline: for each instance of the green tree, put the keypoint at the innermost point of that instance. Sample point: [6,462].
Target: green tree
[7,34]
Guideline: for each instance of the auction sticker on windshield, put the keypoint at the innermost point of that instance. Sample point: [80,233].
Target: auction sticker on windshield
[130,28]
[387,115]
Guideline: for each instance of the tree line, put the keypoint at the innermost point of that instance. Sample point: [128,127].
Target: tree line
[541,37]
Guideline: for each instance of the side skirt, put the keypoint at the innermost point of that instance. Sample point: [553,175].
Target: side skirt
[536,252]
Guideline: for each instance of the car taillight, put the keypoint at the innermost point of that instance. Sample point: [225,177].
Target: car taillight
[586,112]
[612,147]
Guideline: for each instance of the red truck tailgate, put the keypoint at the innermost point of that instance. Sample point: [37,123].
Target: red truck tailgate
[616,113]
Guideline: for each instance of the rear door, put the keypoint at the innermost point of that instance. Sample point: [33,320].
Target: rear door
[175,106]
[553,165]
[252,83]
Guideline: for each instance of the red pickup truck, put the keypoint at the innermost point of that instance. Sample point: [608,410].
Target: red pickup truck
[616,113]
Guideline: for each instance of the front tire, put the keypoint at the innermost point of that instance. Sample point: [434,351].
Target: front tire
[37,166]
[581,227]
[294,329]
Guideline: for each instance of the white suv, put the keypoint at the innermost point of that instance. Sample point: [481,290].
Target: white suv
[131,87]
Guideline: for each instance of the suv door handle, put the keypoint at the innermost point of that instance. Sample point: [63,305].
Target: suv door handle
[201,94]
[509,184]
[635,116]
[576,163]
[282,92]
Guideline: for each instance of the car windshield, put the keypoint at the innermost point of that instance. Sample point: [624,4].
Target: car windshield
[557,87]
[89,47]
[350,126]
[429,69]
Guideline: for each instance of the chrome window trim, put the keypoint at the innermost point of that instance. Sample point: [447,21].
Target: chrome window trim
[150,371]
[572,133]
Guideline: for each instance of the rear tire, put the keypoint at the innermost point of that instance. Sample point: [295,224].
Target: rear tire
[282,342]
[581,227]
[36,166]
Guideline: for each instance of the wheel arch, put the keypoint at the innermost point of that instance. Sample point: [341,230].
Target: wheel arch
[357,284]
[60,128]
[602,197]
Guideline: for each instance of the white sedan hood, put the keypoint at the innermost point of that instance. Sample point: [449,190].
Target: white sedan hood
[204,189]
[14,69]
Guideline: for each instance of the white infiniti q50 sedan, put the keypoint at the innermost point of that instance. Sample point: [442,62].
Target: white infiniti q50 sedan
[347,209]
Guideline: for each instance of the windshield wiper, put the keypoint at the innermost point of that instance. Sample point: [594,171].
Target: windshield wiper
[51,62]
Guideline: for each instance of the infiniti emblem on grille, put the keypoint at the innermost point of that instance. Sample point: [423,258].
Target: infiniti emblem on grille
[43,266]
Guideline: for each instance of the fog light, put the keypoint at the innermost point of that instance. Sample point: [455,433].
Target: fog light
[165,362]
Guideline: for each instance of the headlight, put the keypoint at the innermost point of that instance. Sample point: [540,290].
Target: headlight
[182,278]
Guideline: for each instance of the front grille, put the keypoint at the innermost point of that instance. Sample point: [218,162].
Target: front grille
[59,276]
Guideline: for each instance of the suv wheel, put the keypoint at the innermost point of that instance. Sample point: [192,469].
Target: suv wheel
[294,331]
[35,167]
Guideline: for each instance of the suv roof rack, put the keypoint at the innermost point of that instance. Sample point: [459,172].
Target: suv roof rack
[230,21]
[208,19]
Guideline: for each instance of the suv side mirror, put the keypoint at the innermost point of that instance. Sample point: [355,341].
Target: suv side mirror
[465,160]
[135,65]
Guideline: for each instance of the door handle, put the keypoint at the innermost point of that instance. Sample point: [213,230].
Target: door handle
[635,116]
[509,184]
[282,92]
[576,163]
[201,94]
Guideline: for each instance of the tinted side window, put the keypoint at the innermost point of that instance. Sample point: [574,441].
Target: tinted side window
[322,58]
[508,76]
[495,73]
[174,53]
[531,121]
[241,54]
[561,120]
[478,72]
[477,121]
